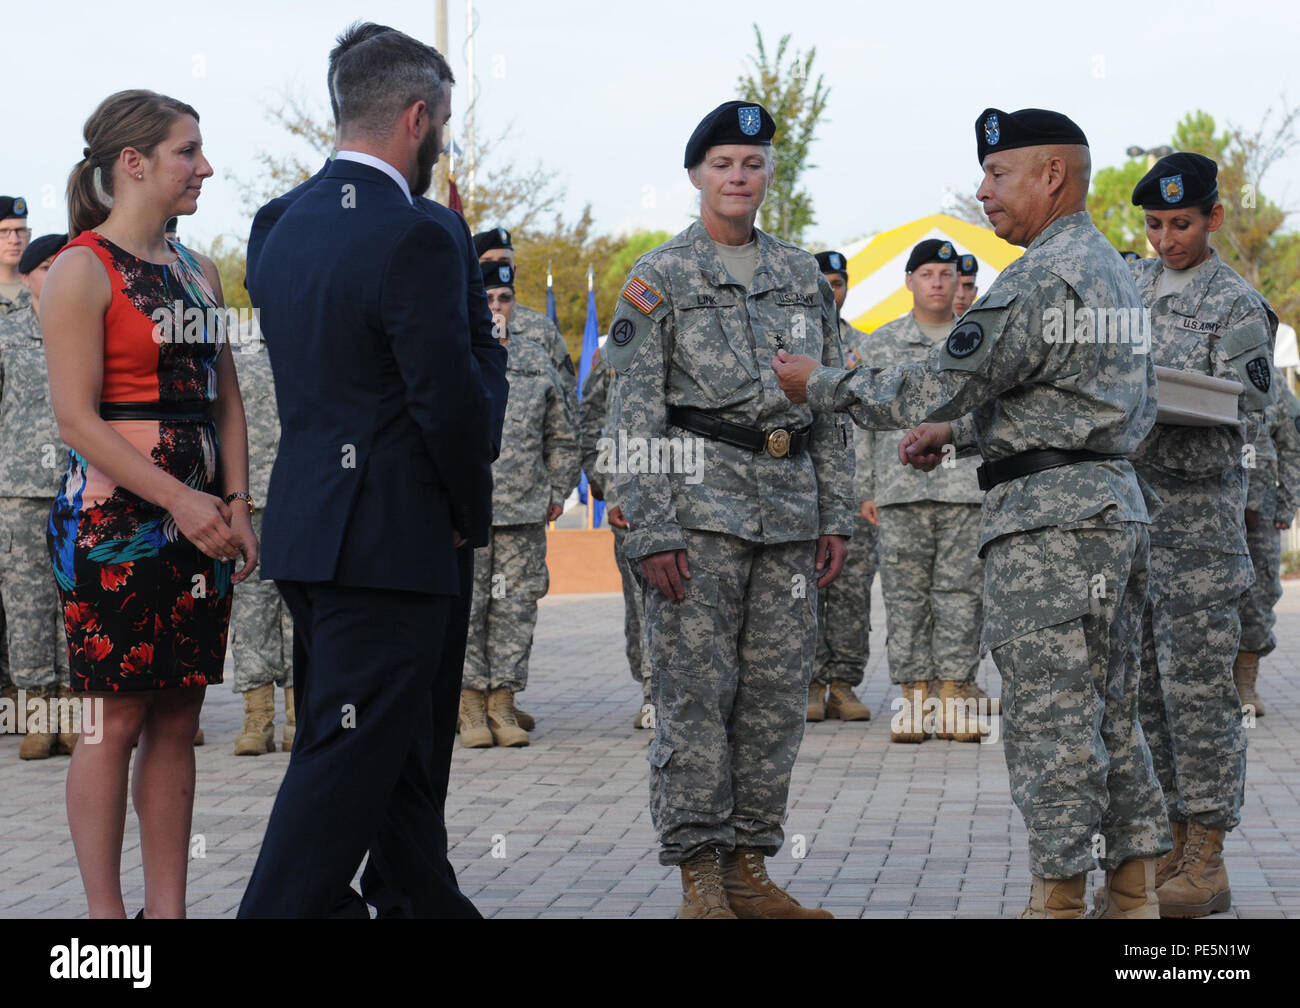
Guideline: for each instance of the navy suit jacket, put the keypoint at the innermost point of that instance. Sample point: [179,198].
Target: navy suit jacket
[489,354]
[385,441]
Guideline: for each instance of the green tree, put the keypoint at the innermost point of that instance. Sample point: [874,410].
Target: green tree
[228,255]
[1111,207]
[796,102]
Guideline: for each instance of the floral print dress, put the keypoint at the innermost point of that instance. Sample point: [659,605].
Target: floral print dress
[143,607]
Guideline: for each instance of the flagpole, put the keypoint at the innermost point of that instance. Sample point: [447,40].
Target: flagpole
[470,87]
[442,170]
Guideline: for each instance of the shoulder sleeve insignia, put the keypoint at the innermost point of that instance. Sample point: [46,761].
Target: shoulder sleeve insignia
[1258,371]
[852,359]
[965,339]
[622,332]
[642,295]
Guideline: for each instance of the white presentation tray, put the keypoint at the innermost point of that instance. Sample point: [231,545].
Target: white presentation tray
[1192,399]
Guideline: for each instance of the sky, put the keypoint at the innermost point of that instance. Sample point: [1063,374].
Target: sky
[606,93]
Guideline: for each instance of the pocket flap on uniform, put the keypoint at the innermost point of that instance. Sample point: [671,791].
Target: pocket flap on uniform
[1025,592]
[659,755]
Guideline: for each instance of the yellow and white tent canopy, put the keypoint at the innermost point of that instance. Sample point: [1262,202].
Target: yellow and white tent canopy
[876,266]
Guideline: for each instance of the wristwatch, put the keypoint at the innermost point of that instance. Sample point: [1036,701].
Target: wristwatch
[247,498]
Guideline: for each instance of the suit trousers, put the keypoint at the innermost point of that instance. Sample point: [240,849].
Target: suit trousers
[361,777]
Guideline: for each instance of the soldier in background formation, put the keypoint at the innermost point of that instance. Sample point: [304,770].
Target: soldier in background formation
[1204,318]
[732,562]
[593,425]
[30,452]
[1054,421]
[263,628]
[844,608]
[931,573]
[534,473]
[494,246]
[1272,495]
[967,285]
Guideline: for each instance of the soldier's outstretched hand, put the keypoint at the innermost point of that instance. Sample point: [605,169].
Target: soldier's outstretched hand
[667,573]
[793,372]
[922,447]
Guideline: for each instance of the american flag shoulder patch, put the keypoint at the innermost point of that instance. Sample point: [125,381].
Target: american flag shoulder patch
[642,295]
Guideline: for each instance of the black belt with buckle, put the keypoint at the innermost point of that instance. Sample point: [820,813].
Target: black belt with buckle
[990,474]
[779,443]
[167,412]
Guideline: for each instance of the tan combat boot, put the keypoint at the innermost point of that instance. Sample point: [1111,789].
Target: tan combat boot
[258,734]
[703,897]
[1200,886]
[1129,892]
[844,704]
[1168,864]
[474,731]
[958,718]
[990,705]
[753,895]
[1245,670]
[69,722]
[37,744]
[908,724]
[501,719]
[290,722]
[816,701]
[526,721]
[1056,899]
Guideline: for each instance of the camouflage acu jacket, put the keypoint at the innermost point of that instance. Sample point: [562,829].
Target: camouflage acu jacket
[685,334]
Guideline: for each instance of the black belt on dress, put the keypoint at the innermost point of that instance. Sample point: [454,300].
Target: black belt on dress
[990,474]
[169,412]
[779,443]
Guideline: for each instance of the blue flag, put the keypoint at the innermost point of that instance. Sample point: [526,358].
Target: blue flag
[590,343]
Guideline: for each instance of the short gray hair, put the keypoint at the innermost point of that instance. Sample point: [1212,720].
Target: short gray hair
[375,81]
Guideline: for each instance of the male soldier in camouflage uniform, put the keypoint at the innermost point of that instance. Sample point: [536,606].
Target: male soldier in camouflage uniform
[844,608]
[535,471]
[1271,498]
[494,246]
[1064,537]
[29,456]
[14,235]
[598,460]
[263,628]
[731,546]
[1206,319]
[967,286]
[931,573]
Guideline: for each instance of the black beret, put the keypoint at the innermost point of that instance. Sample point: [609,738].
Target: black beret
[39,250]
[932,250]
[1129,256]
[1177,180]
[493,238]
[996,130]
[967,265]
[833,262]
[498,274]
[733,122]
[12,206]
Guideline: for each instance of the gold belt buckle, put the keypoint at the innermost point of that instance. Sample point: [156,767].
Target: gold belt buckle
[778,443]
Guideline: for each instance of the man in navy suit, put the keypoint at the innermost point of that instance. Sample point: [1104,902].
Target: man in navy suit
[383,470]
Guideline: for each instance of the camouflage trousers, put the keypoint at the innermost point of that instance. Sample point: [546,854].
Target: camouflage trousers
[931,576]
[37,645]
[509,577]
[1191,712]
[1063,614]
[844,612]
[263,632]
[633,616]
[1256,609]
[731,664]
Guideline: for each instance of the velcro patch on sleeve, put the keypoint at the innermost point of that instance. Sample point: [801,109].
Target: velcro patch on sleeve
[641,294]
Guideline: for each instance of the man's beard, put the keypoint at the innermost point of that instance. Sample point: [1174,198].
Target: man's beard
[425,158]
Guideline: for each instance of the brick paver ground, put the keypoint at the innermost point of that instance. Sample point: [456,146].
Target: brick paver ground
[561,828]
